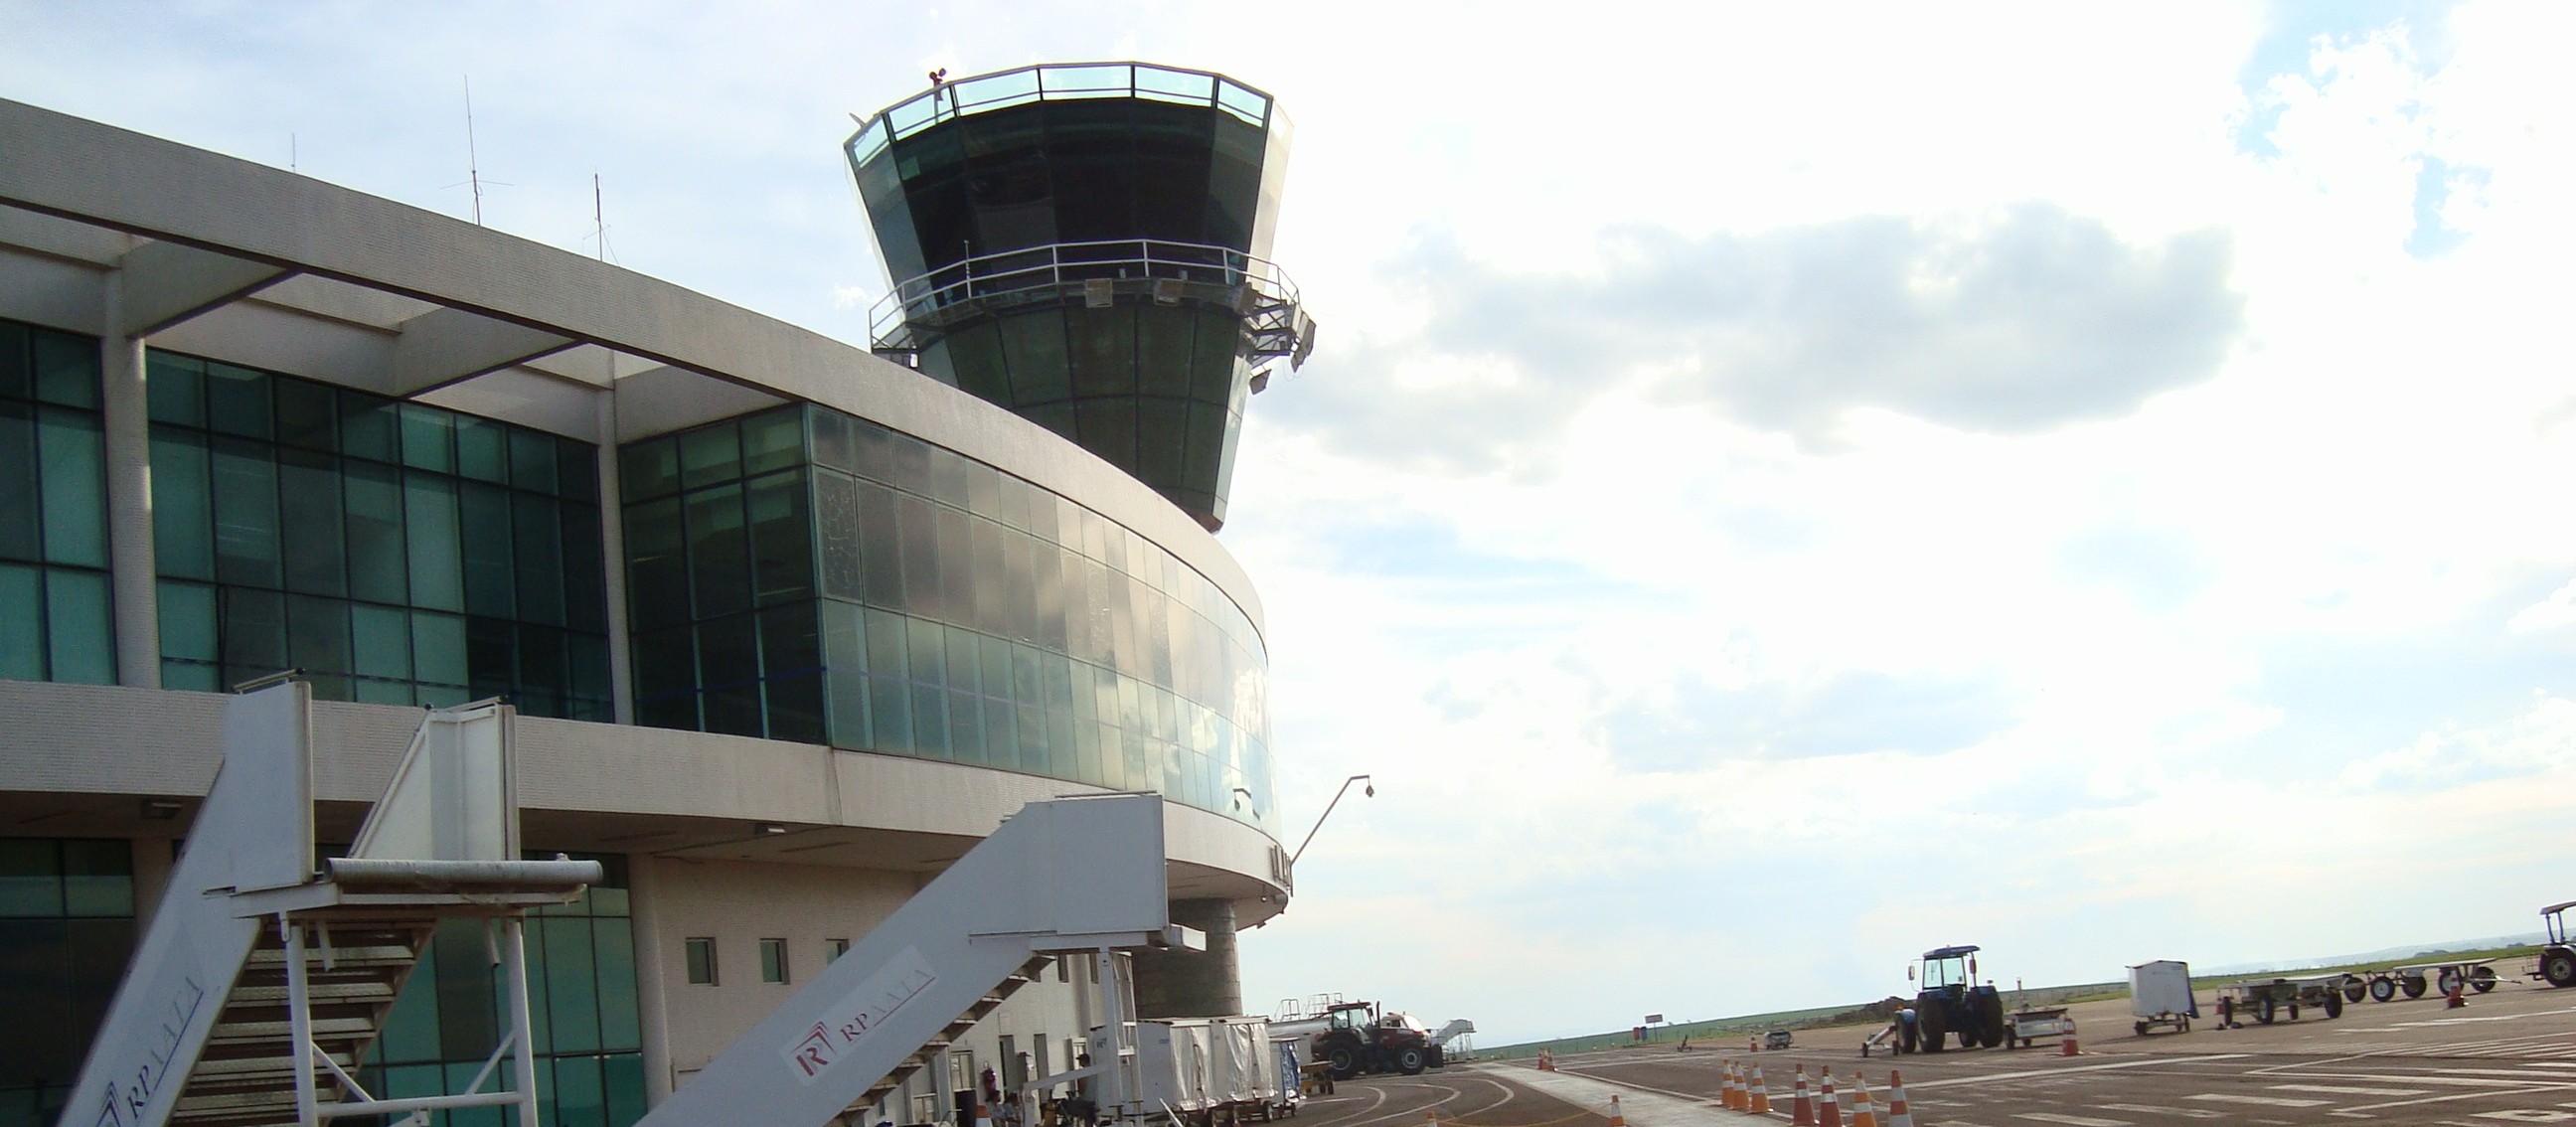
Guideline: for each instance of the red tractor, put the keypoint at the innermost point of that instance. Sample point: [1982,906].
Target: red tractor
[1357,1040]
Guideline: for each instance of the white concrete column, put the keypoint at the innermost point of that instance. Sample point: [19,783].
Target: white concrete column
[612,550]
[652,994]
[132,578]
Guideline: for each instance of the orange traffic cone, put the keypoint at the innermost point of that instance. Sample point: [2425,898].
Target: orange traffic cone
[1898,1115]
[1864,1112]
[2066,1045]
[1829,1111]
[1802,1108]
[1431,1116]
[1726,1089]
[2458,999]
[1616,1119]
[1546,1063]
[1761,1097]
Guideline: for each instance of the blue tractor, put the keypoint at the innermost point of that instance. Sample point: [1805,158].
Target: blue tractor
[1950,1002]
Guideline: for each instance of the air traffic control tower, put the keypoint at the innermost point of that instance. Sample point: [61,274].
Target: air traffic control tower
[1088,246]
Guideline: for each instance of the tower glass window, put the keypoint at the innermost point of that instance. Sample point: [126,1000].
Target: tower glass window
[397,553]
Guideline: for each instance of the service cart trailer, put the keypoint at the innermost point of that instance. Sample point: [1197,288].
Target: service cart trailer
[2414,979]
[2263,1001]
[2160,994]
[2021,1026]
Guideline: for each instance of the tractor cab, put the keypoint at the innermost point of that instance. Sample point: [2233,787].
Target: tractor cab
[1354,1016]
[2558,956]
[1950,970]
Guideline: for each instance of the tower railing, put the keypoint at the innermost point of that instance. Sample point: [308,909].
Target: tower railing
[1096,273]
[1055,82]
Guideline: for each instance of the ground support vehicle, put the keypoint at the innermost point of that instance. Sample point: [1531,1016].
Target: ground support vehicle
[1356,1039]
[2264,1001]
[2557,965]
[1776,1040]
[2024,1025]
[1950,1002]
[2160,994]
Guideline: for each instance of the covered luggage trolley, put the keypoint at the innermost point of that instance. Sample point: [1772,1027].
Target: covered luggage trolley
[2160,994]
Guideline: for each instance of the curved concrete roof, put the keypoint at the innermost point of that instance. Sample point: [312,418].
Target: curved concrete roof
[274,224]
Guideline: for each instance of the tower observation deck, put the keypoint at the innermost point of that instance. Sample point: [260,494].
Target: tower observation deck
[1088,246]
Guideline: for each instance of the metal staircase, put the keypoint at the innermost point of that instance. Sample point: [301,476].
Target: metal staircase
[939,1042]
[264,978]
[246,1074]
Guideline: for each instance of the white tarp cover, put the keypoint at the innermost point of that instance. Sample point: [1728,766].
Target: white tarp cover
[2160,987]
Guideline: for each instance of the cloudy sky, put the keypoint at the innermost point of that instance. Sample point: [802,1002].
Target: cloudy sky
[1782,486]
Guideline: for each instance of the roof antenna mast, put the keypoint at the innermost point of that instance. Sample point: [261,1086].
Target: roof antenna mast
[473,166]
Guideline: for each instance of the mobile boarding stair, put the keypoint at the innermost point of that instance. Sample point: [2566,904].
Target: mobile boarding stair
[264,979]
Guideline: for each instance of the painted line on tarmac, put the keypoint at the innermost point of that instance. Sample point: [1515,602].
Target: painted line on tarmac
[2258,1101]
[1994,1077]
[2159,1109]
[2346,1090]
[2072,1120]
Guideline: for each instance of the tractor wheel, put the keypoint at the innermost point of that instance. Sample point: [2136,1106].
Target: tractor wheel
[2558,965]
[1932,1031]
[2383,988]
[1904,1037]
[2263,1010]
[2450,979]
[2141,1027]
[2414,986]
[1345,1061]
[2354,989]
[2482,979]
[1409,1061]
[2334,1004]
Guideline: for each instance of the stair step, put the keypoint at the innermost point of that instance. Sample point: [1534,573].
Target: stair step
[378,954]
[361,990]
[235,1033]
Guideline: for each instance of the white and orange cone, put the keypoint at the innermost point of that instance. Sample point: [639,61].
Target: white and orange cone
[1864,1112]
[1829,1111]
[1898,1115]
[1729,1096]
[1761,1097]
[1616,1118]
[1802,1107]
[2066,1045]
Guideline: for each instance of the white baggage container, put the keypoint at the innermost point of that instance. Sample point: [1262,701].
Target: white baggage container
[2160,994]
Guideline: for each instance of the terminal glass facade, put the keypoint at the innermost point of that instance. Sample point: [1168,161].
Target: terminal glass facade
[803,574]
[397,553]
[581,1009]
[55,618]
[66,929]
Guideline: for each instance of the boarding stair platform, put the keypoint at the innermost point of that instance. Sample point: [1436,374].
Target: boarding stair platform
[264,978]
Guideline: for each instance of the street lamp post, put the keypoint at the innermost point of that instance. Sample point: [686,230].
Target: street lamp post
[1369,791]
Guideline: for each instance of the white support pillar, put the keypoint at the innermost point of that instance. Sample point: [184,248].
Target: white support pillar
[612,552]
[299,1022]
[652,992]
[132,578]
[523,1058]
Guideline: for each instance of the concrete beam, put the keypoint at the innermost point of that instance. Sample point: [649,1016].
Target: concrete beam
[166,283]
[445,346]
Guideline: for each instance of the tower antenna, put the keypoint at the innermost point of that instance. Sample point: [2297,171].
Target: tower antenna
[473,165]
[598,216]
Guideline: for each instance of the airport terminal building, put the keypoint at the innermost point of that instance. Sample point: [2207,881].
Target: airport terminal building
[790,623]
